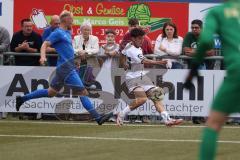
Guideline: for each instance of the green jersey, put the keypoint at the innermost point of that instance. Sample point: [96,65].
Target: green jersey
[225,21]
[190,41]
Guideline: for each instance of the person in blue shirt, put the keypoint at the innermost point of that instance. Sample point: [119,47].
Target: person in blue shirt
[66,74]
[54,23]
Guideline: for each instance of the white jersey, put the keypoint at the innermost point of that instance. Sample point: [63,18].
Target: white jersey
[134,58]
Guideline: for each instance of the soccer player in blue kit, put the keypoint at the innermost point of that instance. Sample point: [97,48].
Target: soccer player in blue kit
[66,74]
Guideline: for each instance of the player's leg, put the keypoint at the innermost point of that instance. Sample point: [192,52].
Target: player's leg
[210,135]
[74,81]
[156,94]
[140,99]
[224,104]
[50,92]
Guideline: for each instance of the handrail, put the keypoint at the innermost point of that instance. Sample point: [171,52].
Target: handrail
[146,55]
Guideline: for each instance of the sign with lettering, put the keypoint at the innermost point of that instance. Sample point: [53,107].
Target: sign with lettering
[113,95]
[106,15]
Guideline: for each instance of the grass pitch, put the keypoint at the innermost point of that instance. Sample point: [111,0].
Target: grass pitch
[38,140]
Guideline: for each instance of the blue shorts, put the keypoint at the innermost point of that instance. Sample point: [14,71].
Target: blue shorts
[70,79]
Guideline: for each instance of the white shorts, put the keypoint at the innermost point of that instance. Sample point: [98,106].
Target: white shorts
[142,81]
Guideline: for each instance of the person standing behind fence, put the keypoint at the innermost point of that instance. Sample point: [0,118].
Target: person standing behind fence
[169,43]
[227,99]
[190,43]
[4,40]
[4,47]
[27,41]
[86,44]
[4,43]
[110,49]
[54,23]
[146,45]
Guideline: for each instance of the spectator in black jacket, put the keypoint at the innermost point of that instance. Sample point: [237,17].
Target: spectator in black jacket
[26,40]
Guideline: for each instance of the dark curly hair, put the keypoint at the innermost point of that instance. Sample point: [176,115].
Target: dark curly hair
[136,32]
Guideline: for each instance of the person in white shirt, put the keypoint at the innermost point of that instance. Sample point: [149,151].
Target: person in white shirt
[110,49]
[86,44]
[138,82]
[169,43]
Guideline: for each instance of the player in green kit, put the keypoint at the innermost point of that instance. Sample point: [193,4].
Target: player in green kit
[225,21]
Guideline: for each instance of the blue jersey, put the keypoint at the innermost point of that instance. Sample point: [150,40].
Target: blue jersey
[66,74]
[47,32]
[61,40]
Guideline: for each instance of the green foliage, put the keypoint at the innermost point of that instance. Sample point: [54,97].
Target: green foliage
[141,12]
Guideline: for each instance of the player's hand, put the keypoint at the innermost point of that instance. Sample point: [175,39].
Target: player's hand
[43,61]
[126,66]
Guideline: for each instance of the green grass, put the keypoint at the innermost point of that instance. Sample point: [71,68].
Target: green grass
[144,147]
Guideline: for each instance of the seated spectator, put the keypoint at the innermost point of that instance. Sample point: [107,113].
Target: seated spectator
[169,43]
[86,44]
[147,44]
[4,41]
[190,42]
[110,49]
[54,23]
[27,41]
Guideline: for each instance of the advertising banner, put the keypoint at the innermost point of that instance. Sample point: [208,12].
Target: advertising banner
[111,92]
[105,15]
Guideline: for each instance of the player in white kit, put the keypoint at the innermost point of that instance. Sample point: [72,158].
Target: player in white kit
[138,82]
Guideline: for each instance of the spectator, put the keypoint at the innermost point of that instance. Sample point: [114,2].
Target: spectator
[54,23]
[190,41]
[86,44]
[28,41]
[4,41]
[147,44]
[4,46]
[110,49]
[169,43]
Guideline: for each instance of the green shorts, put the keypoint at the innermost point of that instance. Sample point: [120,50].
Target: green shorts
[227,99]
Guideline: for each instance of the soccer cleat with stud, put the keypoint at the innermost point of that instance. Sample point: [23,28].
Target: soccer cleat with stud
[104,118]
[19,102]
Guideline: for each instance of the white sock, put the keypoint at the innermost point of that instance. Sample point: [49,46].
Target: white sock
[165,116]
[125,111]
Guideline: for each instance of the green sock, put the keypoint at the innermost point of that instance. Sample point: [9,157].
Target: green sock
[209,144]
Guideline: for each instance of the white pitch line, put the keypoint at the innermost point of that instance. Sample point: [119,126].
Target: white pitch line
[108,124]
[114,139]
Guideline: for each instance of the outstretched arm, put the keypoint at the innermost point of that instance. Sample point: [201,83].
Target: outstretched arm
[43,50]
[149,61]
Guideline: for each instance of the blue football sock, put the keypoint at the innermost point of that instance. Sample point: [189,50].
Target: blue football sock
[89,107]
[35,94]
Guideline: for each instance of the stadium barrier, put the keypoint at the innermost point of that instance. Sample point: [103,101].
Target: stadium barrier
[20,79]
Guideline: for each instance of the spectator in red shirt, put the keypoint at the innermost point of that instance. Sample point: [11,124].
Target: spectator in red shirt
[147,44]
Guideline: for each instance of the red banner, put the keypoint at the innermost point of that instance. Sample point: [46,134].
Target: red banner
[104,15]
